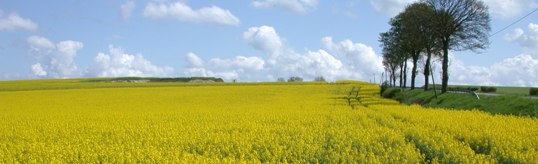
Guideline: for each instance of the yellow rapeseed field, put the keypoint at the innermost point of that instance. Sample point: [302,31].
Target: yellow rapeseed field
[343,122]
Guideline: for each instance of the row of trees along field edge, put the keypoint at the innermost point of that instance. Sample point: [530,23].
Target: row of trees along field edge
[430,29]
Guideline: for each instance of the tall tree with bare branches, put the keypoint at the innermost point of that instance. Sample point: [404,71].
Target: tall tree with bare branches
[461,25]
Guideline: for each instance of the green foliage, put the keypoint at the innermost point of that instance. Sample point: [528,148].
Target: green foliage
[533,91]
[487,89]
[390,92]
[384,86]
[295,79]
[467,88]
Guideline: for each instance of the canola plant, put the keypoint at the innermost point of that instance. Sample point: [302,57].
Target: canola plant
[340,122]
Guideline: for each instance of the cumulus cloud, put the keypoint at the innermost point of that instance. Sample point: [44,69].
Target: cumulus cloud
[38,43]
[360,57]
[520,70]
[193,60]
[390,7]
[294,6]
[54,60]
[510,9]
[127,9]
[238,68]
[264,38]
[37,70]
[528,40]
[318,63]
[117,63]
[13,22]
[183,12]
[281,61]
[251,63]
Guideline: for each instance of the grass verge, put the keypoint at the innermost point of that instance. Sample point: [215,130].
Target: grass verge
[503,104]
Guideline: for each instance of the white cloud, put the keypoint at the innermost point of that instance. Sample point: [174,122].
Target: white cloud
[14,22]
[117,63]
[239,68]
[390,7]
[38,70]
[183,12]
[193,60]
[195,66]
[55,61]
[511,8]
[295,6]
[264,38]
[39,42]
[242,62]
[520,70]
[321,63]
[286,62]
[127,9]
[359,57]
[528,40]
[69,47]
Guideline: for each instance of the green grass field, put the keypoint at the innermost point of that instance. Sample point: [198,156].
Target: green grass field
[513,90]
[509,90]
[506,104]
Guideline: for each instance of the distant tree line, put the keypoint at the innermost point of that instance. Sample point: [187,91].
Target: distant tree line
[430,29]
[158,79]
[300,79]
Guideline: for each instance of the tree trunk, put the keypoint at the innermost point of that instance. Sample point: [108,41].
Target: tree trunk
[415,57]
[427,69]
[444,83]
[401,74]
[405,74]
[393,76]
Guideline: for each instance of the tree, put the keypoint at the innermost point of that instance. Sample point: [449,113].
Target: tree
[390,55]
[295,79]
[394,53]
[460,25]
[390,65]
[319,79]
[417,22]
[418,35]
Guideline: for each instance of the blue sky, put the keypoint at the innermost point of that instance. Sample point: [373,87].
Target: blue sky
[258,40]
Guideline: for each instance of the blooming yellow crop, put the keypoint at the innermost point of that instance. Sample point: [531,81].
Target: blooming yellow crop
[251,123]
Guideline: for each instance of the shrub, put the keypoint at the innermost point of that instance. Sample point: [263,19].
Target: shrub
[384,87]
[280,79]
[391,92]
[533,91]
[488,89]
[295,79]
[474,89]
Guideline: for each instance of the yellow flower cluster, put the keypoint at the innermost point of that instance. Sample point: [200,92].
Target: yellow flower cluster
[250,123]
